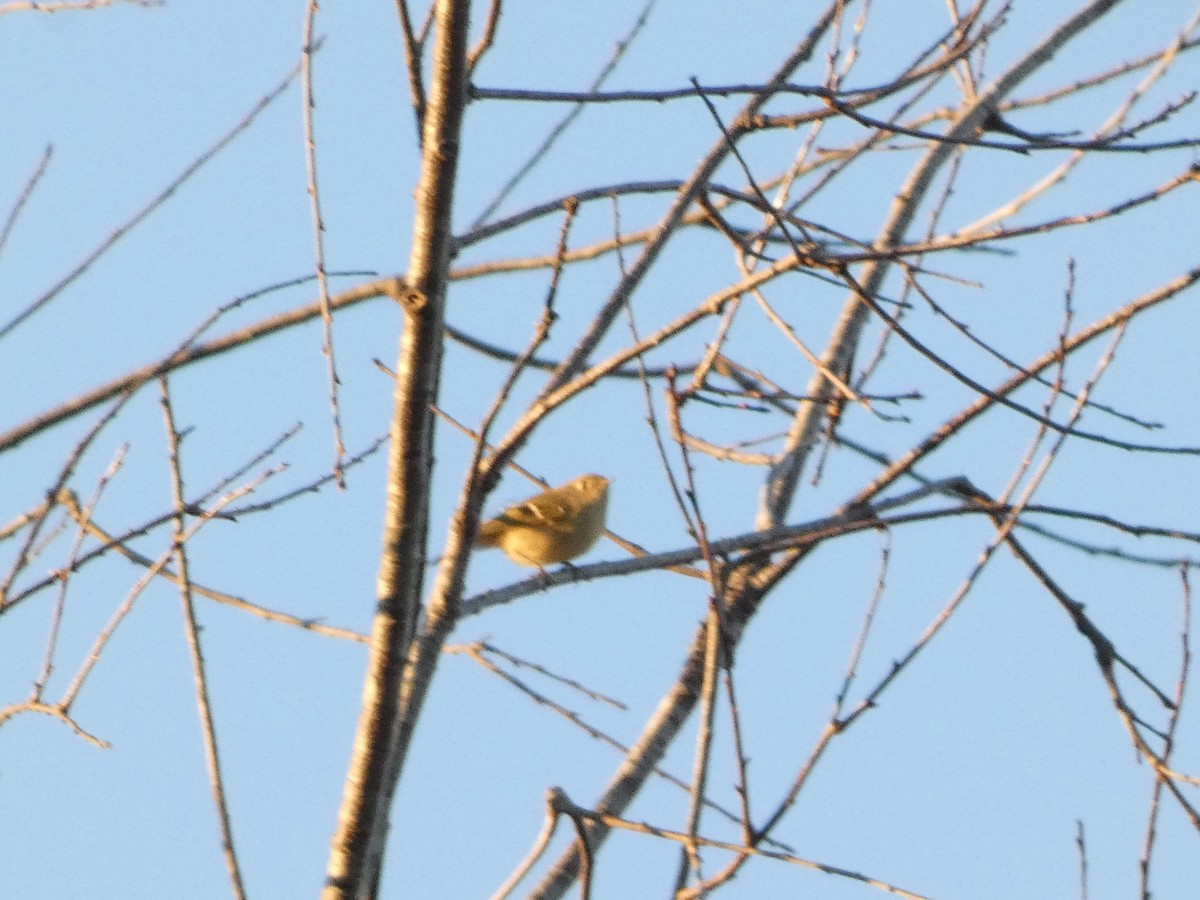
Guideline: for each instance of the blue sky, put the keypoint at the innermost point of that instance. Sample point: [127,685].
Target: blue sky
[966,782]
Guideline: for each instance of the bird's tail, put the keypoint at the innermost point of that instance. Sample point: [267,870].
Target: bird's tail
[490,533]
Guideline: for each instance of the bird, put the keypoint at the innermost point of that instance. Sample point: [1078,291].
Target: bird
[556,526]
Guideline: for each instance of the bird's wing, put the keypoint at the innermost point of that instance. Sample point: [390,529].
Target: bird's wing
[542,514]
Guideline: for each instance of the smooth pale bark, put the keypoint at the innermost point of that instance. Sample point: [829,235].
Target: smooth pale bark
[356,857]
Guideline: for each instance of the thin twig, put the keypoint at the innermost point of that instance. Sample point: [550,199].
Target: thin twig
[192,631]
[308,105]
[26,193]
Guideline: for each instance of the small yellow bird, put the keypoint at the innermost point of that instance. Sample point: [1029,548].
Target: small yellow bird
[555,526]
